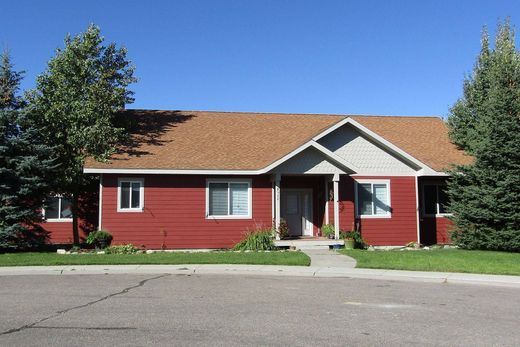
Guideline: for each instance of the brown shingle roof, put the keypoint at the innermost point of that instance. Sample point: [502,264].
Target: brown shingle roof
[214,140]
[191,140]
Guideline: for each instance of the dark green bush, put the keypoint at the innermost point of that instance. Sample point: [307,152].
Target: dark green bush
[99,238]
[258,240]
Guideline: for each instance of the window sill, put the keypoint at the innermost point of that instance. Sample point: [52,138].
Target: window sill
[59,220]
[388,216]
[130,210]
[228,217]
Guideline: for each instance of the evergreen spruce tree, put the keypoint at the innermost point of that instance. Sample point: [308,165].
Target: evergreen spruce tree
[485,122]
[24,167]
[75,104]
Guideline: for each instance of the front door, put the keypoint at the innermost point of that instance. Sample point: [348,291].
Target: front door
[296,209]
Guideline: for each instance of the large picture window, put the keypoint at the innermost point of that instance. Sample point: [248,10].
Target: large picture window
[228,199]
[57,208]
[435,200]
[373,198]
[130,196]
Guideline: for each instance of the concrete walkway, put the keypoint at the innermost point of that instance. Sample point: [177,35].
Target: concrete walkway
[268,270]
[329,258]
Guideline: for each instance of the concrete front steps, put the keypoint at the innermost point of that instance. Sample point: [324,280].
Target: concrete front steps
[310,243]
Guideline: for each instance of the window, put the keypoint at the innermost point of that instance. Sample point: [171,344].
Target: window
[130,196]
[373,198]
[228,199]
[435,199]
[57,208]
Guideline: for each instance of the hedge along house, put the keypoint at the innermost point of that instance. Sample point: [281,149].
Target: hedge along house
[203,179]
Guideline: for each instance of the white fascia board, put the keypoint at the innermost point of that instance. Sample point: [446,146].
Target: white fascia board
[170,172]
[423,173]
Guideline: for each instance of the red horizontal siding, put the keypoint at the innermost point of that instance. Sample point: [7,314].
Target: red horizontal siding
[174,214]
[397,230]
[59,232]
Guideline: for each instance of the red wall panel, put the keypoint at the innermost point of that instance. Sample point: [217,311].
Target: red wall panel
[174,213]
[397,230]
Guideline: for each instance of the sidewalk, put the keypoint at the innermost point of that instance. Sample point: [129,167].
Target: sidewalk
[268,270]
[329,258]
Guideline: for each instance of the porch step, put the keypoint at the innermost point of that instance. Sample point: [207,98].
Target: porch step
[309,244]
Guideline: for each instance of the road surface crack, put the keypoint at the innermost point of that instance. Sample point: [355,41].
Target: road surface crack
[59,313]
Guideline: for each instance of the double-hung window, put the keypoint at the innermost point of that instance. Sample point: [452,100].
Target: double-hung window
[373,198]
[228,199]
[57,209]
[435,200]
[130,195]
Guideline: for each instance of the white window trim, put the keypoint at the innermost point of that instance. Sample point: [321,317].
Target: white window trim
[373,181]
[59,219]
[141,194]
[229,181]
[438,205]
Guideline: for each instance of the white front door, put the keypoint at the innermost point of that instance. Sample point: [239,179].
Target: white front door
[296,209]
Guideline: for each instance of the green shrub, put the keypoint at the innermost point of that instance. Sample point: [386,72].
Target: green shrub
[100,238]
[327,230]
[354,235]
[258,240]
[122,249]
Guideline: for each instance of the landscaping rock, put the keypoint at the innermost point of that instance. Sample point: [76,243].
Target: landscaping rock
[61,251]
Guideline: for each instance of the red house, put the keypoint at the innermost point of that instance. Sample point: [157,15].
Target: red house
[202,179]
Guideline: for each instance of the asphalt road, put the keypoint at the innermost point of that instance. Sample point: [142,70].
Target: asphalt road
[221,310]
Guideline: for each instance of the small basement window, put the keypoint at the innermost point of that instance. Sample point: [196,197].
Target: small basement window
[130,195]
[57,209]
[435,200]
[228,199]
[373,198]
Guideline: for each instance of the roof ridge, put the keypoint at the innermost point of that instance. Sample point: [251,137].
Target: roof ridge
[289,114]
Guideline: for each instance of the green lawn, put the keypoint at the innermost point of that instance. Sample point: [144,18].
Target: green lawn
[253,258]
[443,260]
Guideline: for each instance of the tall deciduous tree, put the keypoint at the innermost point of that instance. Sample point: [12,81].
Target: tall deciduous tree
[75,104]
[485,196]
[25,167]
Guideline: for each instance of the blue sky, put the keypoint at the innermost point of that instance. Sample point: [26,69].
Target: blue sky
[356,57]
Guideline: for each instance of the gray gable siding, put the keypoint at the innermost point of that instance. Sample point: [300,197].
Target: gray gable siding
[309,161]
[370,158]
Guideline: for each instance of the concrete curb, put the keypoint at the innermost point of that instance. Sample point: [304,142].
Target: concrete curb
[268,270]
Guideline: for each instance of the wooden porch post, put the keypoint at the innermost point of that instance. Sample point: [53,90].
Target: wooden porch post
[335,179]
[278,178]
[326,182]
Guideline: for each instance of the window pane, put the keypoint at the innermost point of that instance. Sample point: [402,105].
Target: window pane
[218,199]
[66,210]
[430,199]
[381,199]
[51,209]
[136,194]
[125,195]
[365,199]
[239,199]
[443,199]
